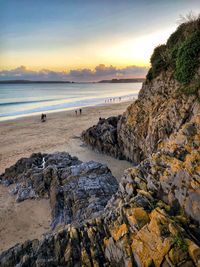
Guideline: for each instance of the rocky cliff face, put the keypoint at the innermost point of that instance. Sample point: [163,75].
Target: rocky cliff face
[135,229]
[162,127]
[159,111]
[169,98]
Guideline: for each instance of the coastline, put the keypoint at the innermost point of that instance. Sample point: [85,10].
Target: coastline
[35,99]
[129,98]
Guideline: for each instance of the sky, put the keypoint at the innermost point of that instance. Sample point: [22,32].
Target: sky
[84,39]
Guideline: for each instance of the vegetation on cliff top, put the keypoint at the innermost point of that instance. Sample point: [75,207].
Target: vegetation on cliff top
[180,54]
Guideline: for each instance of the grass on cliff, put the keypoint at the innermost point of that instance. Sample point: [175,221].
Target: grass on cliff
[179,242]
[187,59]
[181,54]
[192,88]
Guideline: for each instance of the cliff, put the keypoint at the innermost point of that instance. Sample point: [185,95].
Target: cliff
[169,97]
[153,218]
[162,125]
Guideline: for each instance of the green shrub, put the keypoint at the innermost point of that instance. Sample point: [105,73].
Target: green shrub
[179,242]
[180,54]
[149,75]
[188,58]
[159,62]
[176,37]
[173,56]
[191,89]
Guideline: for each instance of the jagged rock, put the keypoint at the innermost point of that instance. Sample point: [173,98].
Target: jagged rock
[103,137]
[163,130]
[124,235]
[77,191]
[82,193]
[153,117]
[134,229]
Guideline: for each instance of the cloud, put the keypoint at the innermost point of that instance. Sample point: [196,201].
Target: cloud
[100,72]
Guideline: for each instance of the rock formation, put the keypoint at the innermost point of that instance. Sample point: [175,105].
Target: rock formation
[104,137]
[153,218]
[158,112]
[135,229]
[162,126]
[77,190]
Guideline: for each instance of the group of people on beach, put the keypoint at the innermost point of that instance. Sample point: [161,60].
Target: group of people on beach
[112,100]
[44,116]
[109,100]
[80,112]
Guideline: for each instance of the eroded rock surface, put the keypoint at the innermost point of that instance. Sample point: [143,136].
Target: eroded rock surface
[77,190]
[136,229]
[158,112]
[103,137]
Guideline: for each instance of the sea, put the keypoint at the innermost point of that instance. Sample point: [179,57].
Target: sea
[20,100]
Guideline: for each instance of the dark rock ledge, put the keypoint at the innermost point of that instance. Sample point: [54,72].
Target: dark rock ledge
[77,190]
[103,137]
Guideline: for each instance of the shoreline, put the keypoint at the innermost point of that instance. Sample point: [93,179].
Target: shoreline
[72,109]
[50,109]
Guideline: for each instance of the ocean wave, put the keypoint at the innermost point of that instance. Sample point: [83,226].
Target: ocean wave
[29,102]
[62,106]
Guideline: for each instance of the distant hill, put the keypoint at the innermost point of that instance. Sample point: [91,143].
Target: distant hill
[28,81]
[136,80]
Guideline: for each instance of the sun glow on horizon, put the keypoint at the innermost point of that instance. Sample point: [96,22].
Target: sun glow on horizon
[65,36]
[128,52]
[137,50]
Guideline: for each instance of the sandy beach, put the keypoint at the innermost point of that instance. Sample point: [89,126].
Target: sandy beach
[61,132]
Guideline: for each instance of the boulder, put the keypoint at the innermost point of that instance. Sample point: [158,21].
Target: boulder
[77,191]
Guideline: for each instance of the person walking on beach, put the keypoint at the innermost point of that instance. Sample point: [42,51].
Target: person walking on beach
[80,110]
[43,117]
[76,112]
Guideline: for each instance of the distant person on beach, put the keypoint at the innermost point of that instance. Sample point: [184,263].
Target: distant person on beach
[43,117]
[76,112]
[80,110]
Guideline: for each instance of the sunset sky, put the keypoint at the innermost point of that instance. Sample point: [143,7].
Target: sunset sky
[81,39]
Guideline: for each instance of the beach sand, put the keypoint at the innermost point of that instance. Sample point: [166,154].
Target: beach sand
[61,132]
